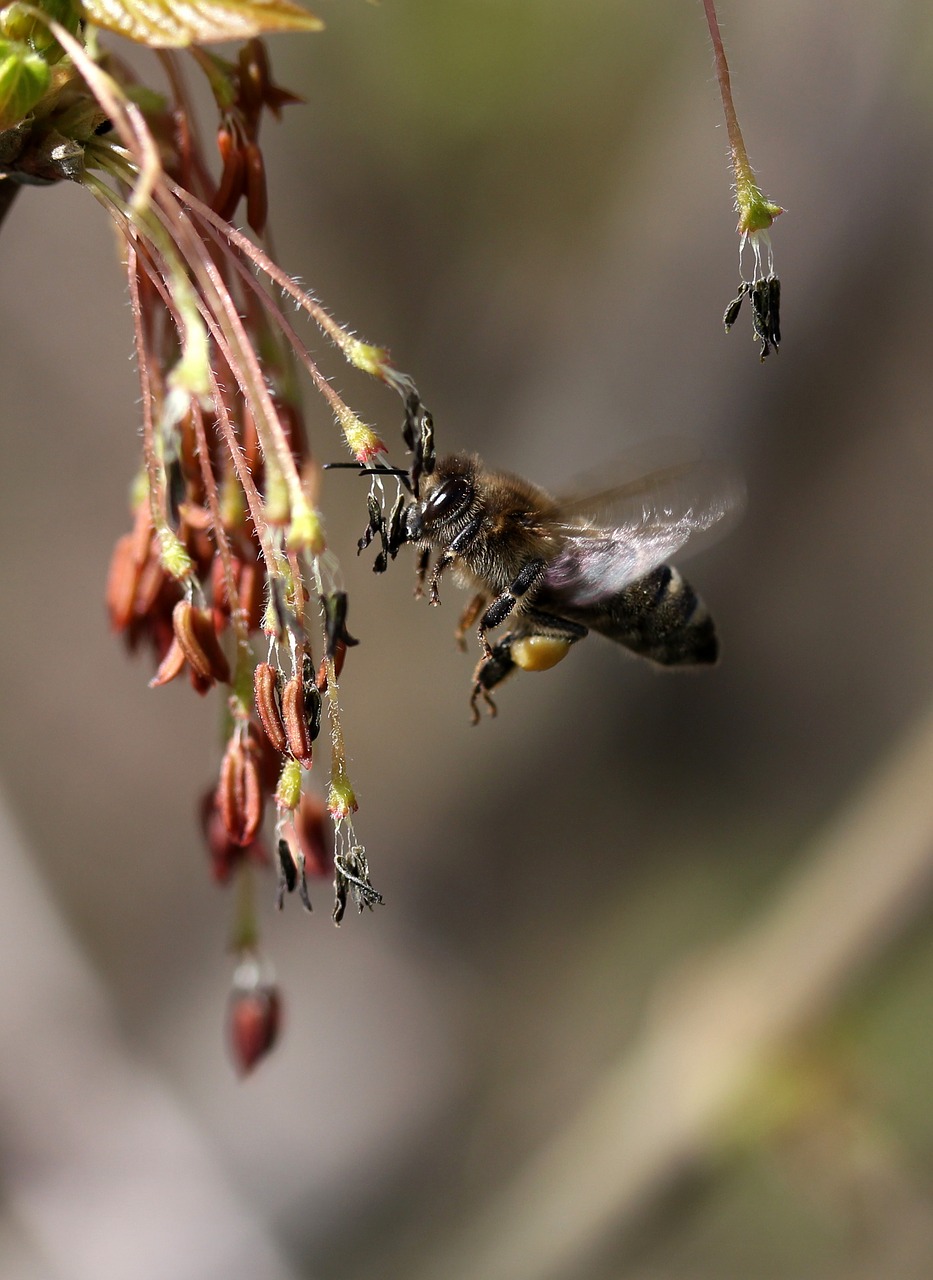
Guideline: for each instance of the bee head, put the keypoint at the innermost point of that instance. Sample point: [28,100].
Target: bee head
[446,496]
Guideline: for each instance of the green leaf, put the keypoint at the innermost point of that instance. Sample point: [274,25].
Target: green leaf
[24,78]
[165,24]
[23,22]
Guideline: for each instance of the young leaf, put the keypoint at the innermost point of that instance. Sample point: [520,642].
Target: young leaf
[164,24]
[24,78]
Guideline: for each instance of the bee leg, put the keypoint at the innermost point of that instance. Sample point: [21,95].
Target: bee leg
[528,577]
[491,670]
[480,692]
[468,618]
[539,641]
[551,624]
[421,571]
[443,562]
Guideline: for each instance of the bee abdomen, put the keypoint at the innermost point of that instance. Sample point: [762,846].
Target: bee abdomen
[662,618]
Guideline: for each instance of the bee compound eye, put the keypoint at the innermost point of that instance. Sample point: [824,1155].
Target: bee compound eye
[448,498]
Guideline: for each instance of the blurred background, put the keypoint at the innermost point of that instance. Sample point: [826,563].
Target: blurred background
[650,997]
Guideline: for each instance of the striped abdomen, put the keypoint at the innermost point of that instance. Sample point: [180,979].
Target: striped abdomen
[660,617]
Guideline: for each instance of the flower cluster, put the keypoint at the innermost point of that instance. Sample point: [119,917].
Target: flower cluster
[226,576]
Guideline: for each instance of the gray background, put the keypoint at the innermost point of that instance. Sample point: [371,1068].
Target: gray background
[529,203]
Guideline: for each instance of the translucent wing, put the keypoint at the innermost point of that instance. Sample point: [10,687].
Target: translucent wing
[621,532]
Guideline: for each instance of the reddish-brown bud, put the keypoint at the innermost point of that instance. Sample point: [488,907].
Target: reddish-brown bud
[233,177]
[122,580]
[266,689]
[340,653]
[220,597]
[194,630]
[257,198]
[224,852]
[252,593]
[249,582]
[240,796]
[152,582]
[253,1021]
[170,666]
[126,599]
[315,834]
[295,721]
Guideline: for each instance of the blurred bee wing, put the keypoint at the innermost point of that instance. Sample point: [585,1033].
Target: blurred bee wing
[622,531]
[658,473]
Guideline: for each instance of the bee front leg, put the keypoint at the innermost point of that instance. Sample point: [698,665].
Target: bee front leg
[528,577]
[421,571]
[458,545]
[443,562]
[468,618]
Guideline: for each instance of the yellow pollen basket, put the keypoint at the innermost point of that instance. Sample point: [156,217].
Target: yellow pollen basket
[538,653]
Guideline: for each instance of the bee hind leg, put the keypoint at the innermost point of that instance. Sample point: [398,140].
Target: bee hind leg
[540,642]
[491,670]
[527,578]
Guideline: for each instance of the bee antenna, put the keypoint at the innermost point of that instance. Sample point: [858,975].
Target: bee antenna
[379,470]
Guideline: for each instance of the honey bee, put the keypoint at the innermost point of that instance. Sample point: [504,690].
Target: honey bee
[557,569]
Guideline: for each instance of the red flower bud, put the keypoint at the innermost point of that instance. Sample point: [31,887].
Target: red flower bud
[194,630]
[296,722]
[253,1020]
[266,689]
[239,793]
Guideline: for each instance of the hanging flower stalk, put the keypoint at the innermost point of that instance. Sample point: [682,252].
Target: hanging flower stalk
[228,546]
[756,213]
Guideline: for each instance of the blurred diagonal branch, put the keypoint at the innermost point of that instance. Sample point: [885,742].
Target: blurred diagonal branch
[714,1024]
[104,1170]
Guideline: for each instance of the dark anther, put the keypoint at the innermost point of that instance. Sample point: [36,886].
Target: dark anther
[351,874]
[731,313]
[765,297]
[766,303]
[312,704]
[376,524]
[398,527]
[311,697]
[335,622]
[375,528]
[340,898]
[303,889]
[412,412]
[775,310]
[288,875]
[176,491]
[425,458]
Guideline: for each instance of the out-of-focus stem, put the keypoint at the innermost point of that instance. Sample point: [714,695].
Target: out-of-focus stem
[716,1023]
[337,404]
[372,360]
[736,141]
[244,935]
[756,212]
